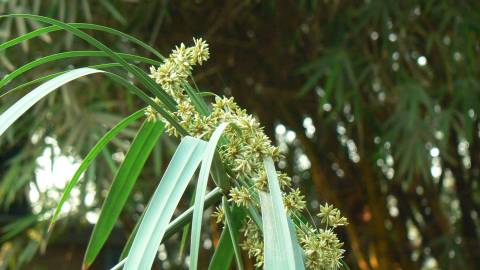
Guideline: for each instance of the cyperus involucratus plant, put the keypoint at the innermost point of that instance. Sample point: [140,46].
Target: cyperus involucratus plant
[243,154]
[223,140]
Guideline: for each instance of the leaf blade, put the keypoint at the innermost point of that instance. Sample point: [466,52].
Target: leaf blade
[164,201]
[21,106]
[96,149]
[143,78]
[122,185]
[278,246]
[65,55]
[233,225]
[178,223]
[222,258]
[89,26]
[200,194]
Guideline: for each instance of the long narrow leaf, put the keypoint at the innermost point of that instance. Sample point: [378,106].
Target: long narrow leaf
[21,106]
[185,234]
[225,249]
[222,258]
[48,29]
[91,156]
[174,226]
[200,194]
[197,100]
[164,201]
[18,226]
[71,54]
[148,82]
[130,239]
[299,264]
[122,185]
[233,220]
[135,90]
[278,246]
[53,75]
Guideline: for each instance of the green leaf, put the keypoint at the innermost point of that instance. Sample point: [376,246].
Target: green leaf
[185,234]
[233,224]
[197,100]
[141,76]
[89,26]
[174,226]
[91,156]
[211,198]
[279,250]
[21,106]
[296,245]
[130,239]
[164,201]
[122,185]
[71,54]
[53,75]
[135,90]
[224,251]
[222,258]
[200,194]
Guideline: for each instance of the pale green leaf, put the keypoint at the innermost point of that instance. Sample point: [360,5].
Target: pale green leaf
[185,161]
[26,102]
[200,194]
[279,250]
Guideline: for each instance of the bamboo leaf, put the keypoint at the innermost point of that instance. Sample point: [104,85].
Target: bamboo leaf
[91,156]
[278,246]
[200,194]
[21,106]
[185,161]
[122,185]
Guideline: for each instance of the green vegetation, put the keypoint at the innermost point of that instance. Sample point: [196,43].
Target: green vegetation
[244,162]
[373,106]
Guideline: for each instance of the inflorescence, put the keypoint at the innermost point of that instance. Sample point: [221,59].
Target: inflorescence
[243,154]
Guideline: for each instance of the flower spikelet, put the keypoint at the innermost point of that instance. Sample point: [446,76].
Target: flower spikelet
[243,149]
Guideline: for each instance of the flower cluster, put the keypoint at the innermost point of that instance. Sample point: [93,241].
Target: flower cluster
[322,248]
[253,242]
[330,216]
[246,146]
[178,66]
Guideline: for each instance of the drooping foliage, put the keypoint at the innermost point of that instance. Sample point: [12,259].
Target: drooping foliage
[375,110]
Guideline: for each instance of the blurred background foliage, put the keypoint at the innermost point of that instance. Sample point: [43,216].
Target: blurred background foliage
[374,103]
